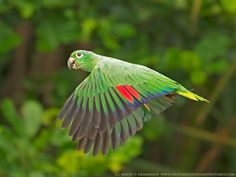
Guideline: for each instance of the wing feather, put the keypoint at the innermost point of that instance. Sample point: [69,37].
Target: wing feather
[106,142]
[97,143]
[115,136]
[106,109]
[124,130]
[88,145]
[132,125]
[65,107]
[97,111]
[70,114]
[80,118]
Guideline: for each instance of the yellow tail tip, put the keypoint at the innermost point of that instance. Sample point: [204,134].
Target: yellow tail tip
[192,96]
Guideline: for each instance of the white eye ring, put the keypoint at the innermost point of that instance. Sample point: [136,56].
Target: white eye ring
[79,55]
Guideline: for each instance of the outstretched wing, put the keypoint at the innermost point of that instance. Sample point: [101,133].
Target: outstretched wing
[112,103]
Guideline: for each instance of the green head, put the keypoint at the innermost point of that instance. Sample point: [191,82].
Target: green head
[82,59]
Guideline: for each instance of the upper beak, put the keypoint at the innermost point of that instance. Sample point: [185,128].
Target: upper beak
[72,64]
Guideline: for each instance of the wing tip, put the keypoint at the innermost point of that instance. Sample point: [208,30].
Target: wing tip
[199,98]
[192,96]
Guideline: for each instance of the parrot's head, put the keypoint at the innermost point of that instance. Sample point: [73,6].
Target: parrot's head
[82,59]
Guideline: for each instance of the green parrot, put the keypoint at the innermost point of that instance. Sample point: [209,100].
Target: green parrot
[112,103]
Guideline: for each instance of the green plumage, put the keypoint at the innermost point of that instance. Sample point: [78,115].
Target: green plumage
[112,103]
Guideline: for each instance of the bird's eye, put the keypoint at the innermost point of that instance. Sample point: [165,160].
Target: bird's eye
[79,55]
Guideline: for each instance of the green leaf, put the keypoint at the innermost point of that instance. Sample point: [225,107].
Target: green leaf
[9,113]
[172,57]
[185,59]
[198,77]
[47,39]
[189,60]
[155,128]
[217,67]
[124,30]
[55,31]
[6,143]
[75,159]
[125,153]
[49,116]
[26,9]
[58,3]
[88,27]
[229,5]
[212,45]
[181,4]
[109,40]
[32,116]
[8,38]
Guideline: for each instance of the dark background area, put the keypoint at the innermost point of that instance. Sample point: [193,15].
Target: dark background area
[190,41]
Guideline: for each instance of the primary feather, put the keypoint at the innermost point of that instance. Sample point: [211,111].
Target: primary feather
[112,103]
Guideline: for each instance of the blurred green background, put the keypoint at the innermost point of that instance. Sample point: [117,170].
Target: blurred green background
[191,41]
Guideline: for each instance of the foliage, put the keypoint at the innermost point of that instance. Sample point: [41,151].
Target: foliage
[31,148]
[192,42]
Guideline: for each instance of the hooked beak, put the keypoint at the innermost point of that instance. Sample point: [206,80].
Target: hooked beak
[72,64]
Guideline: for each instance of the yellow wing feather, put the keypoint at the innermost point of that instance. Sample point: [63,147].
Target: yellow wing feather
[192,96]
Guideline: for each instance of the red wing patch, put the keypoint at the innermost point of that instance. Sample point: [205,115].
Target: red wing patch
[133,91]
[128,92]
[125,93]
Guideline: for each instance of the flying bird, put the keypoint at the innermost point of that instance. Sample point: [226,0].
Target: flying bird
[112,103]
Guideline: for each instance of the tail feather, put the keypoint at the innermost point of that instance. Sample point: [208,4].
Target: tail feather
[191,96]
